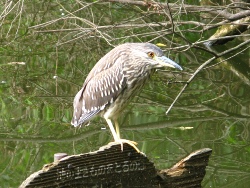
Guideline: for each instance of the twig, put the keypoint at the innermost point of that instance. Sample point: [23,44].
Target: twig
[201,67]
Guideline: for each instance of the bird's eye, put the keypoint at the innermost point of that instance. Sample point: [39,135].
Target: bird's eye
[151,54]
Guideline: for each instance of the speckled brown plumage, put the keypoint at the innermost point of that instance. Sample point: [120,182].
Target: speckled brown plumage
[115,79]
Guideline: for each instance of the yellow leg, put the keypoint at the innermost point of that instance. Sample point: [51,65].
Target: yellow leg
[117,129]
[111,127]
[116,135]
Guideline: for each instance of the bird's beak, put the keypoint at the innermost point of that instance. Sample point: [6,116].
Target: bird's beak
[166,62]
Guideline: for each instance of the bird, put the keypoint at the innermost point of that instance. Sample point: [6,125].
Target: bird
[113,82]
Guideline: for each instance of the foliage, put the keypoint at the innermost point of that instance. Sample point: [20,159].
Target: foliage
[48,47]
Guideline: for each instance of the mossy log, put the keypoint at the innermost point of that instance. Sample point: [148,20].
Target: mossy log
[111,167]
[235,28]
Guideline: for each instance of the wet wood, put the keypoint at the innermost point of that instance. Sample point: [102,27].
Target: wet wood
[235,28]
[109,167]
[189,172]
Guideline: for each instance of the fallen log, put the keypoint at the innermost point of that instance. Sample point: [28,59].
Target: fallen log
[226,33]
[111,167]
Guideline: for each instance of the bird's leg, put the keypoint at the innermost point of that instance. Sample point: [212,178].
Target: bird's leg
[117,129]
[116,135]
[111,127]
[129,142]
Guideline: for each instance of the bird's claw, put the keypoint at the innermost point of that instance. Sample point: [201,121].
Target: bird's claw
[129,142]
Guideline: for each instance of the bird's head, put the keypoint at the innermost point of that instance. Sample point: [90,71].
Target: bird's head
[153,56]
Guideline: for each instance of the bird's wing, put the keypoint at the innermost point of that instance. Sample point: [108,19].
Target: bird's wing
[116,56]
[99,91]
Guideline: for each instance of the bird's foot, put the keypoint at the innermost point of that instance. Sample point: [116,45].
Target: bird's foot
[129,142]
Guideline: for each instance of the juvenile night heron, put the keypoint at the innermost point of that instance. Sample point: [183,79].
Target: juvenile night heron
[114,81]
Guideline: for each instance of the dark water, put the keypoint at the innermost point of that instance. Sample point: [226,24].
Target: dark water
[36,98]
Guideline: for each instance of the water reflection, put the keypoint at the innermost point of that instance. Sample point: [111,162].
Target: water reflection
[36,108]
[214,109]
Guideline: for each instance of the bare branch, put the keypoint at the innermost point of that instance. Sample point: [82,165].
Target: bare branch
[201,67]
